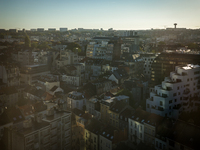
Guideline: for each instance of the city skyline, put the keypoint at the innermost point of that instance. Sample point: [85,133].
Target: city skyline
[126,15]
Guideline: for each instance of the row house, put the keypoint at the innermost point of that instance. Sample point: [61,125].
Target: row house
[105,106]
[102,85]
[143,126]
[76,100]
[93,107]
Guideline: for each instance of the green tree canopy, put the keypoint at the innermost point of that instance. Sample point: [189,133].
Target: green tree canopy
[74,47]
[27,41]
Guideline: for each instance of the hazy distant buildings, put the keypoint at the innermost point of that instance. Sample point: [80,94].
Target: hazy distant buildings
[33,30]
[40,29]
[13,30]
[51,29]
[63,29]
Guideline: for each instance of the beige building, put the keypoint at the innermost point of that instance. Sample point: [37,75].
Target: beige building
[91,136]
[105,106]
[30,73]
[64,57]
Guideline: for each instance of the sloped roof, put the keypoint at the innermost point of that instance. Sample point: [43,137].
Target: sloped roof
[54,88]
[26,110]
[120,73]
[118,106]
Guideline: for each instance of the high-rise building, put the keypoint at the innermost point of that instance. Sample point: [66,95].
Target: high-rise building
[166,62]
[177,93]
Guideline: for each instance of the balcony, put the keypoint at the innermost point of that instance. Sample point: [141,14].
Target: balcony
[160,108]
[185,104]
[177,107]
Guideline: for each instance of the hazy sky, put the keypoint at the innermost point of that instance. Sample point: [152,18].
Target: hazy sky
[116,14]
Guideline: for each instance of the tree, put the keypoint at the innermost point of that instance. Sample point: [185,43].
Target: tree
[27,41]
[74,47]
[34,45]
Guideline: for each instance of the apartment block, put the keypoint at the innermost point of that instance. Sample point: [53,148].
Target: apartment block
[9,74]
[30,73]
[177,93]
[76,100]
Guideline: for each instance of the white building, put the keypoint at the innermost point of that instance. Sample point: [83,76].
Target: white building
[102,50]
[72,80]
[177,93]
[76,100]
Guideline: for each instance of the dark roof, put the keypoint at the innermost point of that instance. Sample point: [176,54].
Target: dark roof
[14,114]
[34,91]
[39,106]
[54,88]
[120,73]
[108,132]
[118,106]
[140,115]
[8,90]
[78,112]
[127,113]
[88,90]
[95,126]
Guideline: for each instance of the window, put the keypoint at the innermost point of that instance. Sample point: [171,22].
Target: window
[178,88]
[147,105]
[140,127]
[141,135]
[161,103]
[175,100]
[170,101]
[174,94]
